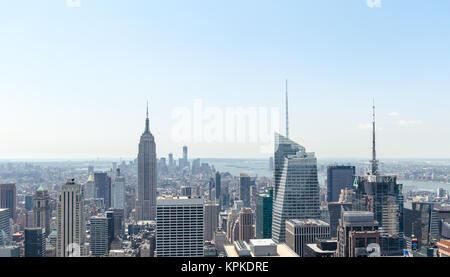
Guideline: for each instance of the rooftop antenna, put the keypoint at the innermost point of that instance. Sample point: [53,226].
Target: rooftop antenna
[374,152]
[287,111]
[147,127]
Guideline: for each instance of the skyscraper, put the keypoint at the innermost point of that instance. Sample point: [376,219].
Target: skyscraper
[186,191]
[212,211]
[338,178]
[301,232]
[179,227]
[356,231]
[42,210]
[70,220]
[90,187]
[382,195]
[218,186]
[185,155]
[118,221]
[110,217]
[119,191]
[264,202]
[34,242]
[29,202]
[99,236]
[146,194]
[296,194]
[335,210]
[8,198]
[246,230]
[103,187]
[5,227]
[244,188]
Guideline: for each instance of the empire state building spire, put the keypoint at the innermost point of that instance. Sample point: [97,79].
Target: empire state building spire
[147,127]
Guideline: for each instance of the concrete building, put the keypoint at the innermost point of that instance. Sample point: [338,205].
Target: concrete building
[186,191]
[70,220]
[259,248]
[212,211]
[246,229]
[299,233]
[444,248]
[179,227]
[42,210]
[356,231]
[321,248]
[119,191]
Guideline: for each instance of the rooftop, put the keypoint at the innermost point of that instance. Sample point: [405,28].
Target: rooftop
[306,222]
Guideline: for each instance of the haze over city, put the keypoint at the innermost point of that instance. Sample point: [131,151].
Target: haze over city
[77,80]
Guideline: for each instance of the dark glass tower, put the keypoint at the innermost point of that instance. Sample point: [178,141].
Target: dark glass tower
[103,187]
[264,202]
[382,195]
[34,242]
[339,177]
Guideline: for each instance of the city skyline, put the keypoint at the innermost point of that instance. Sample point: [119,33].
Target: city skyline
[79,90]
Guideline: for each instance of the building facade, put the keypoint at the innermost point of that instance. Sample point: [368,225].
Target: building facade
[34,242]
[42,210]
[356,231]
[179,227]
[246,229]
[146,192]
[264,202]
[99,243]
[296,194]
[212,211]
[8,198]
[338,178]
[299,233]
[70,221]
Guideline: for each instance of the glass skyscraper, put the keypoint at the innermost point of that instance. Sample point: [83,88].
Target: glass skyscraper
[296,194]
[264,203]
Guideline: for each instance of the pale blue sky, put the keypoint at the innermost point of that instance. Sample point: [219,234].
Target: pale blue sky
[74,81]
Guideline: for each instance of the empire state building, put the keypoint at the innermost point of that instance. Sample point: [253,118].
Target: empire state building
[146,194]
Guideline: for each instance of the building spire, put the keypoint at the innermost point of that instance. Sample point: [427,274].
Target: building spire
[374,161]
[287,111]
[147,127]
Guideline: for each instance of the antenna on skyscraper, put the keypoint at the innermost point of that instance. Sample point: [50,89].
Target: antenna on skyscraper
[374,152]
[147,127]
[287,111]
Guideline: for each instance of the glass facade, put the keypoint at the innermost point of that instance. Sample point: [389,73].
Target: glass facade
[296,194]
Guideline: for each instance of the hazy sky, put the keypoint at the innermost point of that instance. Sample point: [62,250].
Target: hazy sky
[74,81]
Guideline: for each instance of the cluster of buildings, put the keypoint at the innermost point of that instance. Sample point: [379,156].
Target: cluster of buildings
[188,209]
